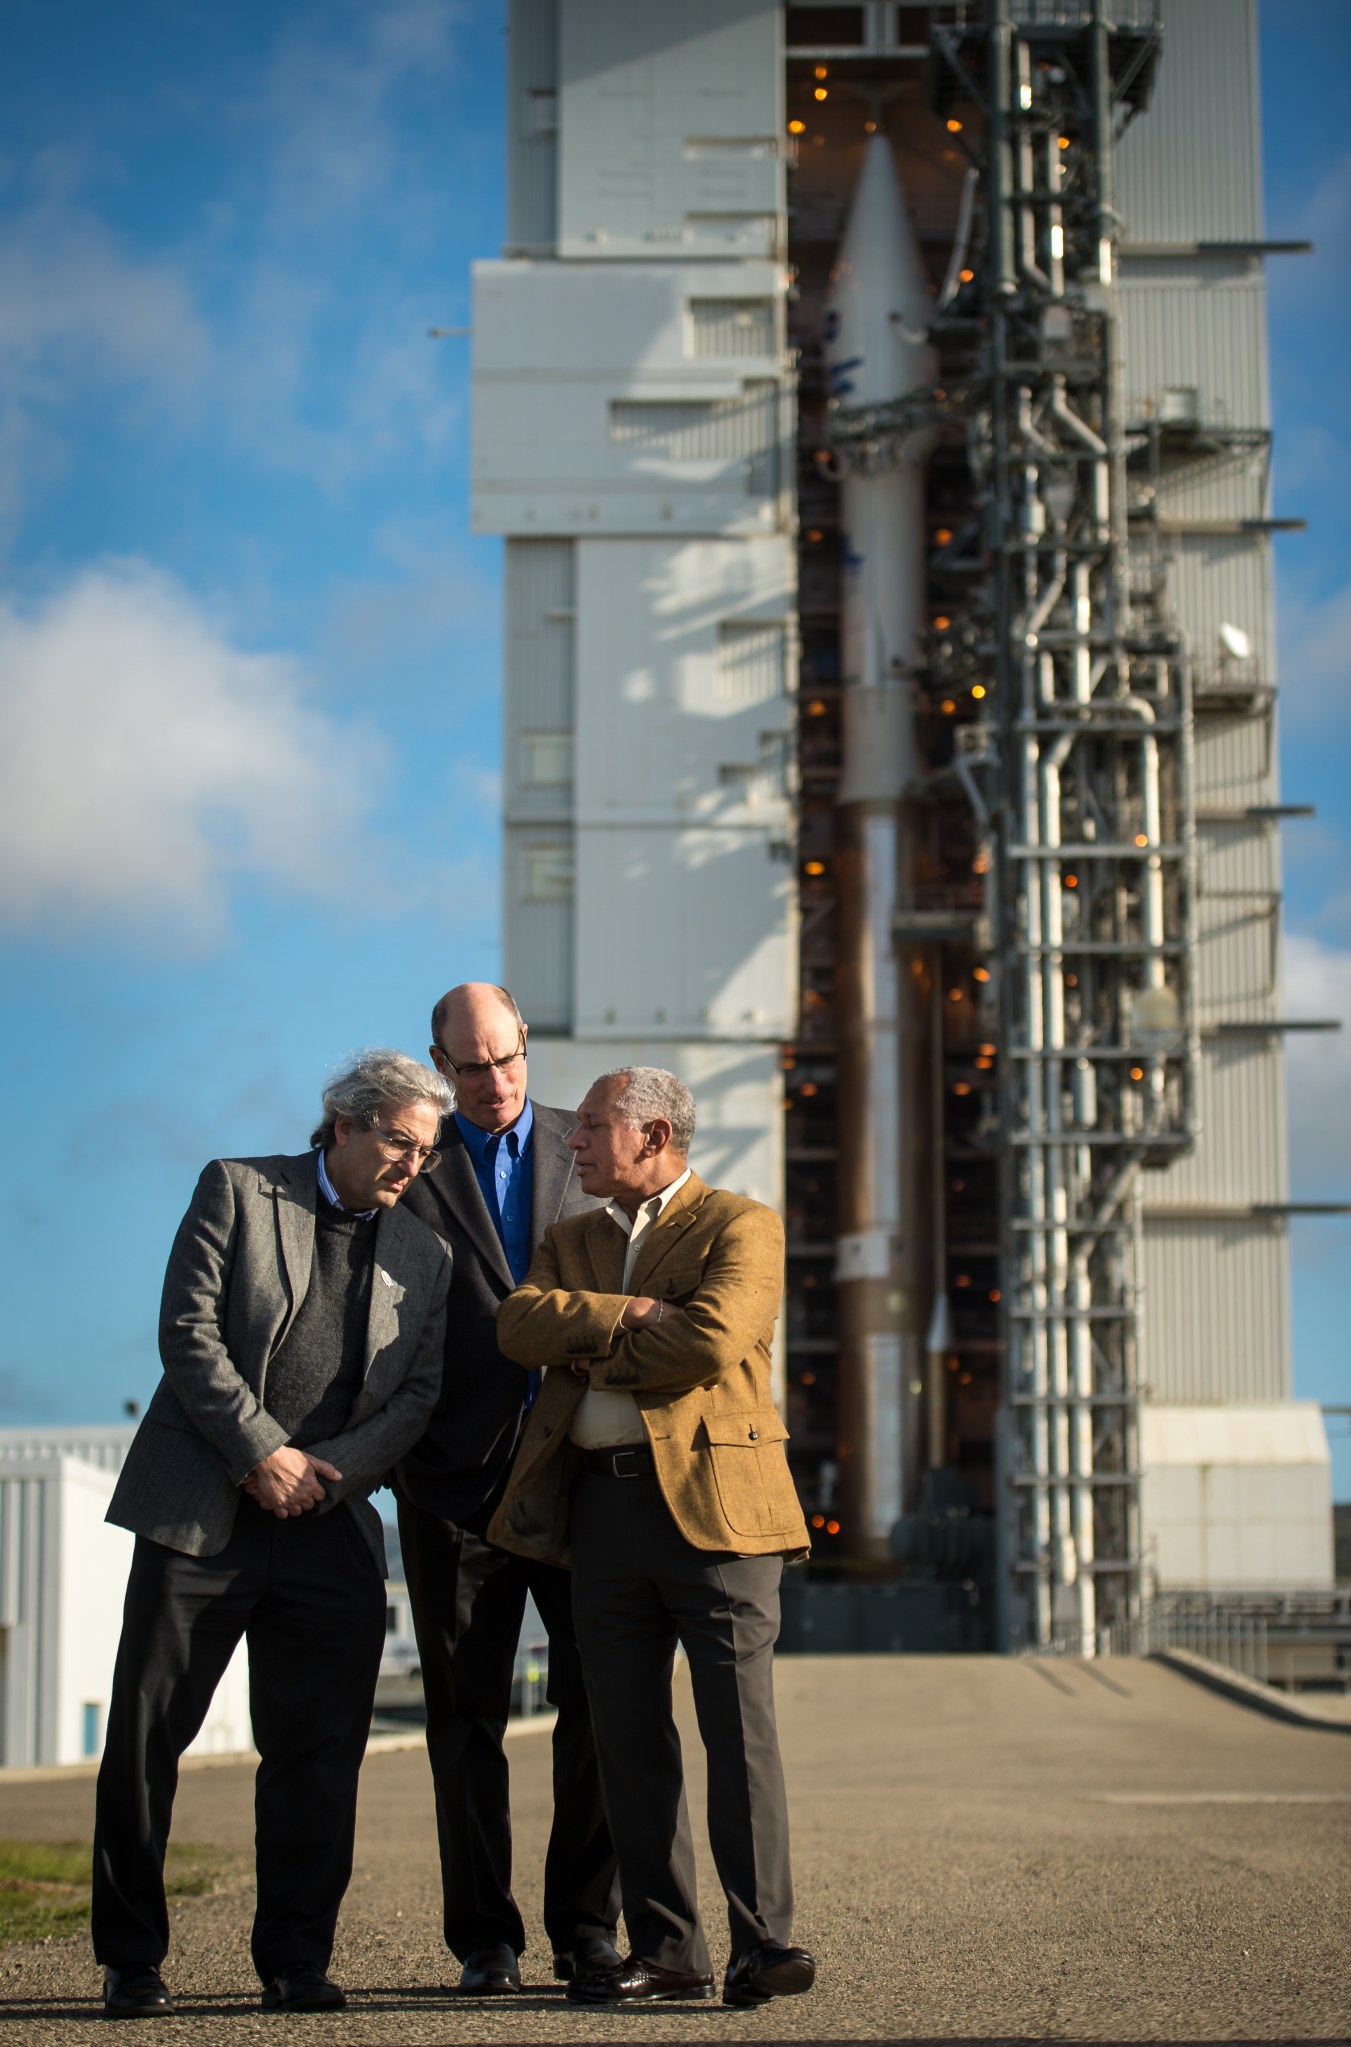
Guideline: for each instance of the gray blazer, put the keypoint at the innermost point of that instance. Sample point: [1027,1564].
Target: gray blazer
[238,1272]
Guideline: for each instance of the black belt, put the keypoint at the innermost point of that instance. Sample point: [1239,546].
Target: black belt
[627,1460]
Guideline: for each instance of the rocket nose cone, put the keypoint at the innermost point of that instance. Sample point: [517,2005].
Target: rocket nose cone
[877,314]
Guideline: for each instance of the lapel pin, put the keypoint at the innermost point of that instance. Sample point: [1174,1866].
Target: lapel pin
[384,1275]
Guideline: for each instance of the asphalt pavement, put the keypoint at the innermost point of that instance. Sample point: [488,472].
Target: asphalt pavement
[986,1851]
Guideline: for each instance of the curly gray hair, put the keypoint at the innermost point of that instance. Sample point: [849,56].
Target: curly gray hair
[651,1091]
[375,1077]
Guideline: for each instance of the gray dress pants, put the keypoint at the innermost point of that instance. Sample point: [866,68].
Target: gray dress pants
[638,1589]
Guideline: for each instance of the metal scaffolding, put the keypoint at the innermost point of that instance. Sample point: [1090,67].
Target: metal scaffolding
[1076,763]
[1089,792]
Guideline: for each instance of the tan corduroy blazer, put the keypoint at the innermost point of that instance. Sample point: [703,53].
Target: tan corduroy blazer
[701,1380]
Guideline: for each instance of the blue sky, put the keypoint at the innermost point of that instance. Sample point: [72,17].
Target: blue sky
[250,787]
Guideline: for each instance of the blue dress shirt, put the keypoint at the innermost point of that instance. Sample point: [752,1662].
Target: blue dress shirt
[504,1167]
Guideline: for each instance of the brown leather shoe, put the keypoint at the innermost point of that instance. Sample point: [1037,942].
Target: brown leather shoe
[639,1982]
[770,1970]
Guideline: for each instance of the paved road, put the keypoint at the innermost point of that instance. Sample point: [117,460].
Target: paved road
[986,1851]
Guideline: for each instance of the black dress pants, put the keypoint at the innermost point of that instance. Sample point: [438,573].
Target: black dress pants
[468,1600]
[308,1598]
[639,1588]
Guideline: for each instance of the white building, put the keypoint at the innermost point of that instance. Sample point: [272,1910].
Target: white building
[63,1572]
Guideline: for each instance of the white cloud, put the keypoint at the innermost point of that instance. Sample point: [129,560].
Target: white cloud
[328,105]
[150,766]
[1318,1067]
[79,313]
[1315,660]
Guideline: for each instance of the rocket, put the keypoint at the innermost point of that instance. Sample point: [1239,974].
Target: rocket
[875,347]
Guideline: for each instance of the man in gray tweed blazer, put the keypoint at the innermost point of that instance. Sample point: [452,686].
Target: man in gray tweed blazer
[301,1332]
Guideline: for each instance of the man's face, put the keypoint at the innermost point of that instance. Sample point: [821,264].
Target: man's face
[372,1168]
[482,1055]
[611,1154]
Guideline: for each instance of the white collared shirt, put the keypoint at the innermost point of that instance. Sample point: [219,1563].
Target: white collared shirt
[603,1419]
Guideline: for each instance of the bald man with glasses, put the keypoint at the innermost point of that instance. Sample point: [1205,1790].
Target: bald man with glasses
[506,1173]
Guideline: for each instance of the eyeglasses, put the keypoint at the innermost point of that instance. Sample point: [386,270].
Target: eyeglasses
[425,1157]
[477,1068]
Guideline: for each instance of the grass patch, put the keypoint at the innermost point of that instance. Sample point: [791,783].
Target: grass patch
[44,1886]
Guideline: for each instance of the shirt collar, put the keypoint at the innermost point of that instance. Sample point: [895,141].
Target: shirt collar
[477,1140]
[330,1193]
[654,1206]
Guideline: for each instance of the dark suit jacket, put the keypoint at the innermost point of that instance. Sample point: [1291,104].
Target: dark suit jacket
[239,1270]
[458,1470]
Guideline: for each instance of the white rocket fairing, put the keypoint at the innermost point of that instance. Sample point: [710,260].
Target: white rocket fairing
[876,349]
[875,344]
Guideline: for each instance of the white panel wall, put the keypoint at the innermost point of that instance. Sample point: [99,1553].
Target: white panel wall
[1236,1498]
[685,909]
[600,405]
[670,127]
[63,1572]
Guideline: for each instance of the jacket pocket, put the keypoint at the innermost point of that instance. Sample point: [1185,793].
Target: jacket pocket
[750,1470]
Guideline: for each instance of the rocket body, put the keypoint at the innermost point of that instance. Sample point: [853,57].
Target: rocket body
[875,347]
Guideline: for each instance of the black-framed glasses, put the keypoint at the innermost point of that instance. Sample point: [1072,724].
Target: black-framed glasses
[475,1069]
[425,1157]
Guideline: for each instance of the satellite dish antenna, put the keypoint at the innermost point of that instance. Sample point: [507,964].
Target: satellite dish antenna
[1236,642]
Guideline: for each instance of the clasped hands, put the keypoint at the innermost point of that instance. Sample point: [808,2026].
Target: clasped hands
[286,1483]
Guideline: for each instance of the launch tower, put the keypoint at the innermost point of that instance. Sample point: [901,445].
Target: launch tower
[873,401]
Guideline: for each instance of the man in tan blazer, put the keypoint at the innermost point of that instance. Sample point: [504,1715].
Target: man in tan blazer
[654,1463]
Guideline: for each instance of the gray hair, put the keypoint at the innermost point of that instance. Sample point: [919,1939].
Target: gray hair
[373,1078]
[651,1091]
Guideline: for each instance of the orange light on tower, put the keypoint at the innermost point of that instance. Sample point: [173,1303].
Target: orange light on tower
[954,127]
[797,127]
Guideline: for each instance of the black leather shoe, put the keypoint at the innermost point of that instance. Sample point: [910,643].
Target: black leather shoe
[588,1956]
[135,1993]
[638,1982]
[491,1972]
[302,1987]
[770,1970]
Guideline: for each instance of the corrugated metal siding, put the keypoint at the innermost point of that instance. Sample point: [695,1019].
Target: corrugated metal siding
[1216,1310]
[537,938]
[1217,579]
[733,327]
[1237,957]
[1190,168]
[538,660]
[1241,1098]
[532,127]
[1235,759]
[537,701]
[751,663]
[1073,13]
[699,429]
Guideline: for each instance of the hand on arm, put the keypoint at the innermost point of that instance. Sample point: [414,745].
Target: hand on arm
[643,1312]
[286,1483]
[732,1309]
[545,1323]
